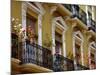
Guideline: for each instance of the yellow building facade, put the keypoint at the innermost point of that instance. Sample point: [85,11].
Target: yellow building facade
[50,37]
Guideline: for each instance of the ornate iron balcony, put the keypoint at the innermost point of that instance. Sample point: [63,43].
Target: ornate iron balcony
[32,53]
[60,63]
[37,54]
[81,67]
[14,46]
[70,64]
[68,6]
[93,25]
[76,12]
[79,13]
[82,16]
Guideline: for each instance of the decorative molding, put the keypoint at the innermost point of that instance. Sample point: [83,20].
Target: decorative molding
[84,31]
[40,11]
[53,8]
[75,64]
[40,29]
[24,9]
[53,37]
[89,52]
[93,43]
[64,44]
[64,27]
[63,24]
[74,25]
[80,34]
[33,8]
[81,45]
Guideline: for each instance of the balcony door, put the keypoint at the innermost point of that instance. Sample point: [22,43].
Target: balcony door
[58,48]
[29,54]
[58,42]
[31,28]
[78,54]
[59,28]
[58,62]
[78,50]
[92,55]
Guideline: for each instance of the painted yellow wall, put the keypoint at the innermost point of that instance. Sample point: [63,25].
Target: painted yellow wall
[83,7]
[16,10]
[85,47]
[46,26]
[69,41]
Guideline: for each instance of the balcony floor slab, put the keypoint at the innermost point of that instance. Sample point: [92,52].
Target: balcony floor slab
[33,68]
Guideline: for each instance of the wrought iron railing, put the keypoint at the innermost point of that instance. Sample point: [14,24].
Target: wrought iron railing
[38,55]
[68,6]
[81,67]
[93,25]
[76,12]
[58,63]
[82,16]
[62,64]
[70,64]
[14,46]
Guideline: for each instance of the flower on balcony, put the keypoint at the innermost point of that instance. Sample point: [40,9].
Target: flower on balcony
[30,34]
[16,26]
